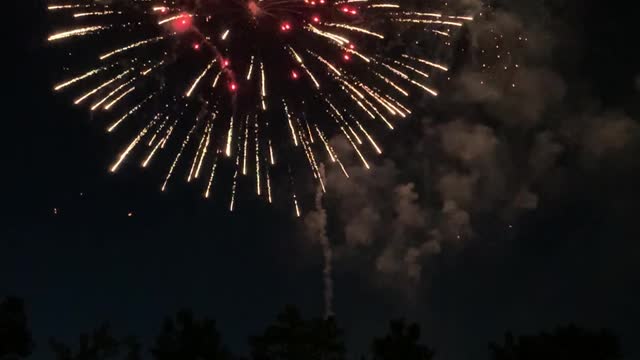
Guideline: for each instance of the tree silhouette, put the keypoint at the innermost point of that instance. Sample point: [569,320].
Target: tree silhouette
[15,336]
[99,345]
[293,338]
[401,343]
[565,343]
[186,338]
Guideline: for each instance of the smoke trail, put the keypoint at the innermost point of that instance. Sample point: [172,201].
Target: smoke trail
[316,224]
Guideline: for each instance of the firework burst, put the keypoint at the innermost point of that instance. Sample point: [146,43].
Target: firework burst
[251,85]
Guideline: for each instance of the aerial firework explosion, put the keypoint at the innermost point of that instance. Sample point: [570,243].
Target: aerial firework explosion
[264,84]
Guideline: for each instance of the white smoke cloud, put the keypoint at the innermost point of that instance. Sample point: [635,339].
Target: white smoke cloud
[316,224]
[499,137]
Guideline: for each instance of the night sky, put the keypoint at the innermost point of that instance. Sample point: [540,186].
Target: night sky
[545,233]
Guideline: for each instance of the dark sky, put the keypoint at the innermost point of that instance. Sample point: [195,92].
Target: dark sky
[571,257]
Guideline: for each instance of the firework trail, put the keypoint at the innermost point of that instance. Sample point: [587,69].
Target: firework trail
[276,79]
[316,224]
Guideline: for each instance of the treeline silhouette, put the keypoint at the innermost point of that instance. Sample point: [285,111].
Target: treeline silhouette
[290,337]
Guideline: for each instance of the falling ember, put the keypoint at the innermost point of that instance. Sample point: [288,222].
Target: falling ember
[292,80]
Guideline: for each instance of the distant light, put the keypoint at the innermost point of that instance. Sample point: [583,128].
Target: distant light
[196,46]
[130,214]
[294,74]
[285,26]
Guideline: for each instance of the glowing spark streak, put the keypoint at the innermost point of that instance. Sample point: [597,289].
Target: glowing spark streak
[106,83]
[438,66]
[436,15]
[326,144]
[364,161]
[354,98]
[229,138]
[339,115]
[246,141]
[81,77]
[309,131]
[406,77]
[390,105]
[133,110]
[95,13]
[336,38]
[361,56]
[293,131]
[175,161]
[295,55]
[398,104]
[225,35]
[295,203]
[421,73]
[312,162]
[263,91]
[131,46]
[356,29]
[378,98]
[271,157]
[257,143]
[301,62]
[420,21]
[315,164]
[381,101]
[132,145]
[174,18]
[371,141]
[328,64]
[206,147]
[152,153]
[305,147]
[233,191]
[204,141]
[331,151]
[215,80]
[250,69]
[213,174]
[337,112]
[111,94]
[384,6]
[197,80]
[393,84]
[76,32]
[115,101]
[269,186]
[71,6]
[158,130]
[146,72]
